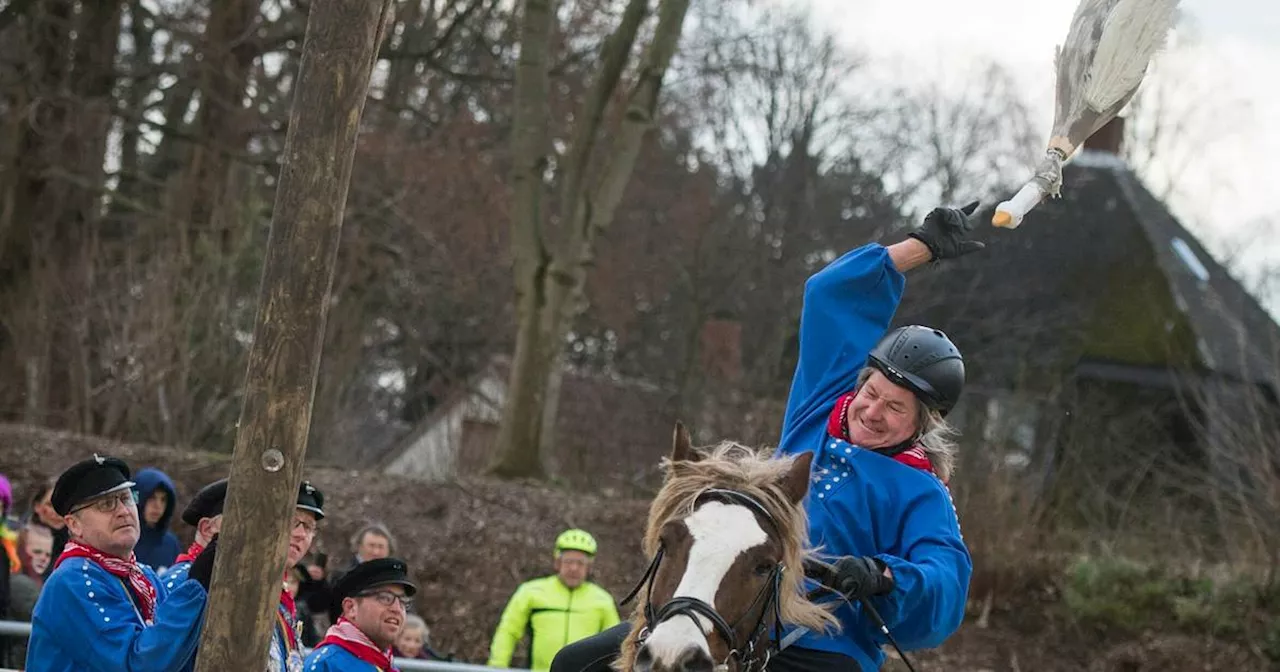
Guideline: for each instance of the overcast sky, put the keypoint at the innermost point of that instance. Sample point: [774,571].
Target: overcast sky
[1229,188]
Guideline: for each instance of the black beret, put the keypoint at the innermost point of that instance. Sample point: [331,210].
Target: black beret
[311,499]
[87,480]
[374,573]
[207,503]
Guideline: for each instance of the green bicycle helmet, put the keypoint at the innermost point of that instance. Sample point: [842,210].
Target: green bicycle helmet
[575,540]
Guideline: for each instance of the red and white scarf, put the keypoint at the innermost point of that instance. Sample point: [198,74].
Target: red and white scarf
[193,552]
[345,634]
[126,569]
[838,427]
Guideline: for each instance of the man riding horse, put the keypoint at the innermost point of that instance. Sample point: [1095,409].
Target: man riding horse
[870,407]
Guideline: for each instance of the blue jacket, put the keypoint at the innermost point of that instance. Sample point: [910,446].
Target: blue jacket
[85,621]
[175,573]
[862,503]
[332,658]
[280,655]
[157,546]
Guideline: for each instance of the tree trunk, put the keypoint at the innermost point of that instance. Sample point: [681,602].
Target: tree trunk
[551,291]
[220,125]
[41,121]
[125,200]
[339,50]
[520,429]
[58,197]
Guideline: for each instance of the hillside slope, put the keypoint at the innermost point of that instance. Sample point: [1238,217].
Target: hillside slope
[470,543]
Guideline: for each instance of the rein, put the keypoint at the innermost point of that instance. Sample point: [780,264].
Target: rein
[745,652]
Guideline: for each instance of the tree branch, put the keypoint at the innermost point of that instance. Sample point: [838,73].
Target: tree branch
[586,133]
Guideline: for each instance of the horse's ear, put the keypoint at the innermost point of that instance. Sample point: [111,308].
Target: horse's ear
[681,446]
[796,483]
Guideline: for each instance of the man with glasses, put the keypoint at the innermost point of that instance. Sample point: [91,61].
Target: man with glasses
[555,610]
[100,609]
[375,597]
[286,637]
[205,510]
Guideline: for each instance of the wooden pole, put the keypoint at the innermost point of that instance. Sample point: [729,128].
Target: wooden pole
[338,55]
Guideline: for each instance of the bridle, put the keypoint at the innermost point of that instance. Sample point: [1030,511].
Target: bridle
[745,653]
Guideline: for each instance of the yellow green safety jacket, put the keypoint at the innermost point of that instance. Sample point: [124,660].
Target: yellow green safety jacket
[554,615]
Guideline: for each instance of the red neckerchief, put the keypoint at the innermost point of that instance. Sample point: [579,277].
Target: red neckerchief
[346,635]
[288,615]
[287,600]
[193,552]
[122,568]
[838,427]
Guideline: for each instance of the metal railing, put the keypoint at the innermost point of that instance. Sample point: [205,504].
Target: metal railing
[20,629]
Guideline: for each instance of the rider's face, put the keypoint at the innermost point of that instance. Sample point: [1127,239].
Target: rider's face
[881,414]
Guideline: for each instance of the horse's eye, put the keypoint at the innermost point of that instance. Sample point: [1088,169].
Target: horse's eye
[764,568]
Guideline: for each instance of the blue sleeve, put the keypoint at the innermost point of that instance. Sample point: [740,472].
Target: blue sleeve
[847,309]
[173,576]
[931,576]
[327,659]
[91,612]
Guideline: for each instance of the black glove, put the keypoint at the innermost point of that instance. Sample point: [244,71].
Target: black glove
[202,567]
[855,578]
[946,231]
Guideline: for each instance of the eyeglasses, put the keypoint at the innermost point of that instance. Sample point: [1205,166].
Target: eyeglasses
[306,526]
[387,598]
[109,503]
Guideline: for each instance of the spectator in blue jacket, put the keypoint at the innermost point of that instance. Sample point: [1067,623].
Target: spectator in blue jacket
[158,546]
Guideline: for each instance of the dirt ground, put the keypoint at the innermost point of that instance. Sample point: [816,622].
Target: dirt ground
[470,543]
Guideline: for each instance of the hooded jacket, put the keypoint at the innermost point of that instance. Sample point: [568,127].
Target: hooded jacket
[157,546]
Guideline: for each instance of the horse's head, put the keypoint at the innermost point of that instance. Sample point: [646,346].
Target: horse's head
[727,536]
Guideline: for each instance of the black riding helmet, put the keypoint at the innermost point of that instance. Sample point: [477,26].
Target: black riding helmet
[924,361]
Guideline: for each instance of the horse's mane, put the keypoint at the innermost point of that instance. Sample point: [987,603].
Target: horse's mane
[753,472]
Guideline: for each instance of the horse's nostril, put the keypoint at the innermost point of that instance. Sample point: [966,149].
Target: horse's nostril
[695,660]
[644,660]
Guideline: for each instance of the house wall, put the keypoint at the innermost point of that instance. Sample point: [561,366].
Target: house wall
[432,456]
[477,451]
[609,435]
[437,452]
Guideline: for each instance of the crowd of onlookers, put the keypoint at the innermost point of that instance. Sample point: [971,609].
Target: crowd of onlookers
[552,611]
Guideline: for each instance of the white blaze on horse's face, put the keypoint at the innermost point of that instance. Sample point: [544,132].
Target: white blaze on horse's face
[720,532]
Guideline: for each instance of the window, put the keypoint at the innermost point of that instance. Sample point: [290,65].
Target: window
[1010,429]
[1190,260]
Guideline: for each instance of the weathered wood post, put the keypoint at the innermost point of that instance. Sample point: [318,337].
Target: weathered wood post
[338,55]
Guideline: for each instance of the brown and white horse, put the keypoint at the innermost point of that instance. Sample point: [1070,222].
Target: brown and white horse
[727,537]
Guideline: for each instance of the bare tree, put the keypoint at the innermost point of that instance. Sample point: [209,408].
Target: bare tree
[957,136]
[1183,108]
[552,256]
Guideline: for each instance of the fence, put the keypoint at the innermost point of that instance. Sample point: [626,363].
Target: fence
[18,629]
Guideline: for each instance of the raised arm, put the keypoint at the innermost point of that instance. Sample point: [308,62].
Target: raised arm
[909,254]
[848,306]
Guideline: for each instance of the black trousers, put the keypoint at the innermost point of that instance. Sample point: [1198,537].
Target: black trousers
[596,653]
